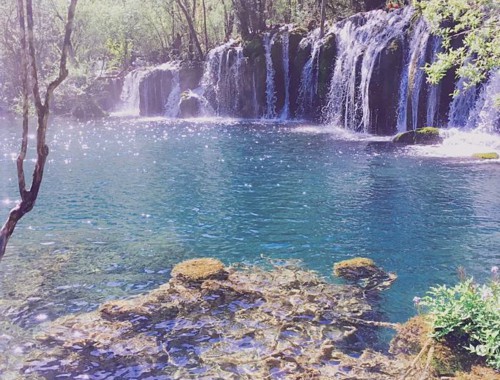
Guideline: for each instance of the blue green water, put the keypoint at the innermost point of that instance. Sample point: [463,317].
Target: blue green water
[123,200]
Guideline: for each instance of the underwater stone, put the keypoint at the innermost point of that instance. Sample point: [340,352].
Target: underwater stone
[196,270]
[420,136]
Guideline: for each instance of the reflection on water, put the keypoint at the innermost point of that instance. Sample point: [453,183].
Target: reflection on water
[125,199]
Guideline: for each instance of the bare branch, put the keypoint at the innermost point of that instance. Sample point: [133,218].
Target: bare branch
[25,93]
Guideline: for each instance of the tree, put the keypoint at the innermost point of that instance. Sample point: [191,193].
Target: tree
[42,108]
[469,30]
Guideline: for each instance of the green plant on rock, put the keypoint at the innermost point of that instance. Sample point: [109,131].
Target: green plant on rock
[469,313]
[469,34]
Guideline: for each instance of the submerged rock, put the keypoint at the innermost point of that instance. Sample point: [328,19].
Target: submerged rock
[248,325]
[420,136]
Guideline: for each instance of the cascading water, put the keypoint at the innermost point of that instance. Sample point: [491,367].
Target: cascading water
[221,80]
[434,89]
[240,59]
[412,79]
[172,104]
[212,75]
[285,38]
[309,76]
[270,90]
[462,104]
[130,95]
[360,41]
[486,113]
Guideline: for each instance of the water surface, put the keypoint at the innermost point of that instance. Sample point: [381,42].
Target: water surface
[123,200]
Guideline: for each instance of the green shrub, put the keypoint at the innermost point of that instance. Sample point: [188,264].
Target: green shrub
[470,313]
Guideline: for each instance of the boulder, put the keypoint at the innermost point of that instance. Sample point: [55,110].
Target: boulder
[190,105]
[420,136]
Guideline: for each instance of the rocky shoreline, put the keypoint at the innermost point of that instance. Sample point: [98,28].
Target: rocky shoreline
[240,322]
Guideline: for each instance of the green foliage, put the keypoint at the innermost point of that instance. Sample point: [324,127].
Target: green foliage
[470,313]
[470,37]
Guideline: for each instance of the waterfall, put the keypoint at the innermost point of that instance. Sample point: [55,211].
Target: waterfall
[309,77]
[285,38]
[462,104]
[413,75]
[130,96]
[222,78]
[485,115]
[434,89]
[360,40]
[172,104]
[211,81]
[270,90]
[240,59]
[255,102]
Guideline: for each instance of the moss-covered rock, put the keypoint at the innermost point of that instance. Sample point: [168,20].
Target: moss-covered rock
[420,136]
[411,336]
[364,272]
[353,269]
[196,270]
[448,355]
[486,156]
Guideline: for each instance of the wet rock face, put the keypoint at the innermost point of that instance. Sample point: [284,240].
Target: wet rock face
[325,71]
[190,75]
[154,89]
[420,136]
[384,89]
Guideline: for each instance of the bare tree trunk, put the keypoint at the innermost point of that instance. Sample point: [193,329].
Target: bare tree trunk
[192,30]
[28,197]
[205,24]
